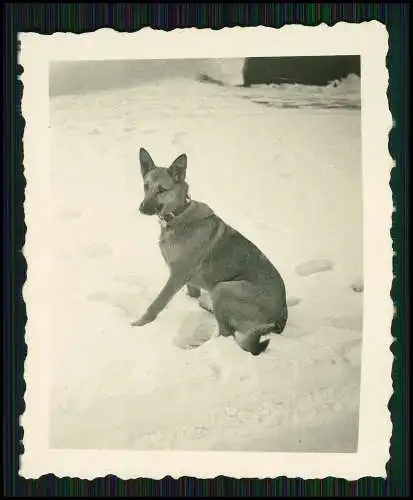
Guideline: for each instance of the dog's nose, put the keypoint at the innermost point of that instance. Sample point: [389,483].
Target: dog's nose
[143,208]
[148,207]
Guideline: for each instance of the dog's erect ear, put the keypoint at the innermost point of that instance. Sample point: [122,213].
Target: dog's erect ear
[146,161]
[178,168]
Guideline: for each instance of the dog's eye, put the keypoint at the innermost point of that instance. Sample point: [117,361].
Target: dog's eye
[161,189]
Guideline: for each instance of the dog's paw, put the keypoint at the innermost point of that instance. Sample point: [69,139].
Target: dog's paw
[138,322]
[146,318]
[193,292]
[205,303]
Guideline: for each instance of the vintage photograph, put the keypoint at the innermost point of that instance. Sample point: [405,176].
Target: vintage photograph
[205,255]
[248,174]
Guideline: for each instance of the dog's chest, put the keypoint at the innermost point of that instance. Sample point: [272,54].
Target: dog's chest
[184,244]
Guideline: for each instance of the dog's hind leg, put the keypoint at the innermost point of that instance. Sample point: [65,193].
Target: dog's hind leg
[237,310]
[282,321]
[219,309]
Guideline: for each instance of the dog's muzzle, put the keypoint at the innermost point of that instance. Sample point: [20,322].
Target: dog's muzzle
[149,207]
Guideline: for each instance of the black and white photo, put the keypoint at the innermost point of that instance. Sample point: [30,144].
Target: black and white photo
[208,252]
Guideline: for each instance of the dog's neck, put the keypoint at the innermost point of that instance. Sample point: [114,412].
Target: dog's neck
[166,219]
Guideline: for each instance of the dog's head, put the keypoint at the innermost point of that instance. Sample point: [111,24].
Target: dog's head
[165,188]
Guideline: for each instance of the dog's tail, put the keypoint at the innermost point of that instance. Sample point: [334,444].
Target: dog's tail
[251,341]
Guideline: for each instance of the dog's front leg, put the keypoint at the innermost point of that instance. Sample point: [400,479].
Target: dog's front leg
[172,287]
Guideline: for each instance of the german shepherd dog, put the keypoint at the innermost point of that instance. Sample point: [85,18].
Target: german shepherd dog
[204,253]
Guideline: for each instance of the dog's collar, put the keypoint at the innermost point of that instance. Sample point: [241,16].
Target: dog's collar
[167,218]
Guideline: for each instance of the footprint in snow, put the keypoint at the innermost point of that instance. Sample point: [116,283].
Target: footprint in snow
[194,330]
[128,303]
[347,322]
[357,286]
[293,301]
[314,266]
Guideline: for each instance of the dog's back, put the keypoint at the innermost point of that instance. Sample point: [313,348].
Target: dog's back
[220,257]
[224,254]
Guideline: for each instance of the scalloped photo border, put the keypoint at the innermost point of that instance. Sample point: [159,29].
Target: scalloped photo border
[367,39]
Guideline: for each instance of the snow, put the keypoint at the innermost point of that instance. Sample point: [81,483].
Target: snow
[290,180]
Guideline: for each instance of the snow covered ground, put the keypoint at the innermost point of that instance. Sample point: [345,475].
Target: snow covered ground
[290,180]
